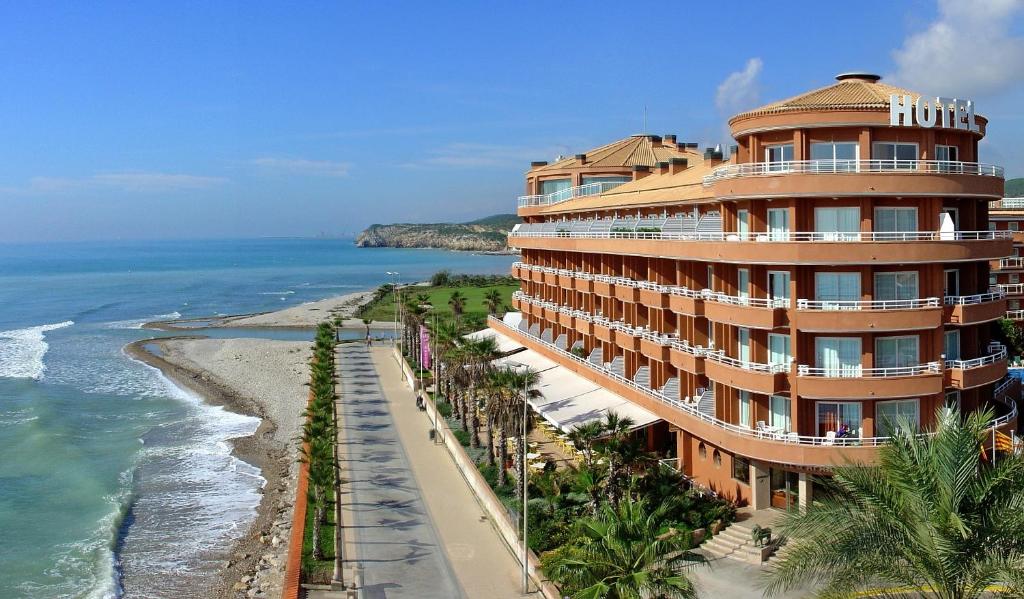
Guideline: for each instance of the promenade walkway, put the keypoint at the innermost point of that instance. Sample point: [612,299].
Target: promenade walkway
[412,521]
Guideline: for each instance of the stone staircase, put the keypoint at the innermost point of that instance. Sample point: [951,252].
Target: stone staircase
[706,404]
[736,541]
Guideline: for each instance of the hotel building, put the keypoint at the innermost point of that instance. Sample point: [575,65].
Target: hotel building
[1007,215]
[777,310]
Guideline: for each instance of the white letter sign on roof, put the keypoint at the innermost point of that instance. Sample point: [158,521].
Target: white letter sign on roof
[955,113]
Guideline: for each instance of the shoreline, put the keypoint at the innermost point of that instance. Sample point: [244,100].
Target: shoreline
[246,555]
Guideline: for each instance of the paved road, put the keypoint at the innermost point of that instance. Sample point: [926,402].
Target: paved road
[383,508]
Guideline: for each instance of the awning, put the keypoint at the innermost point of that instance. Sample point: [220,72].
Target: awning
[505,344]
[568,400]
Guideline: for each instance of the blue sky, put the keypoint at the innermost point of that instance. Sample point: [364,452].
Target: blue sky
[199,120]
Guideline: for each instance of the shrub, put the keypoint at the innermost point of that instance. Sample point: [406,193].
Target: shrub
[441,278]
[462,436]
[445,409]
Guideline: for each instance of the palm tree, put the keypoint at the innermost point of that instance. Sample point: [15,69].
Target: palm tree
[934,517]
[625,552]
[492,299]
[457,301]
[480,352]
[423,299]
[498,404]
[519,388]
[583,437]
[617,437]
[319,457]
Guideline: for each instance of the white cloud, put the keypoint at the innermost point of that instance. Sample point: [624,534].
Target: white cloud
[968,51]
[741,90]
[128,182]
[475,155]
[302,166]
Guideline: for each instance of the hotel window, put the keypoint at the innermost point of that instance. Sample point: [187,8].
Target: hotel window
[778,284]
[741,469]
[1014,279]
[895,155]
[608,179]
[838,356]
[896,286]
[778,224]
[895,220]
[991,226]
[743,283]
[778,348]
[743,397]
[839,417]
[778,156]
[837,224]
[554,185]
[779,416]
[837,287]
[1015,304]
[952,283]
[743,224]
[993,280]
[1013,226]
[743,344]
[951,344]
[948,156]
[711,278]
[952,400]
[896,352]
[834,156]
[890,414]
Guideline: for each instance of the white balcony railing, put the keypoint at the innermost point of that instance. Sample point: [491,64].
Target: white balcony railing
[741,300]
[856,371]
[720,357]
[775,236]
[1008,203]
[992,358]
[977,298]
[841,305]
[1011,288]
[692,410]
[1011,263]
[563,195]
[833,167]
[1015,314]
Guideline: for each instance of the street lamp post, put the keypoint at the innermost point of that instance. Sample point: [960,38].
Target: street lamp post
[437,381]
[525,481]
[394,289]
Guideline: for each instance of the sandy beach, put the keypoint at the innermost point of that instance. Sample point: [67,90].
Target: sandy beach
[305,315]
[257,377]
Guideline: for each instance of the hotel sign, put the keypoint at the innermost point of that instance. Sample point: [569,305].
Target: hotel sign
[949,113]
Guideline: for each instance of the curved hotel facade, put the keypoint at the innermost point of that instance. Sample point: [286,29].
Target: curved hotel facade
[776,311]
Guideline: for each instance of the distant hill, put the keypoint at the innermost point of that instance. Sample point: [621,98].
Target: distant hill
[483,235]
[1014,188]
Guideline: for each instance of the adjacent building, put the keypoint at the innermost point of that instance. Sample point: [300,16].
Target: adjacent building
[1007,215]
[777,310]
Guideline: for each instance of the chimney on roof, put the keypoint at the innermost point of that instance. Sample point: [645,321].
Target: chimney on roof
[582,158]
[662,167]
[733,150]
[680,147]
[677,165]
[670,140]
[692,145]
[640,171]
[712,156]
[538,163]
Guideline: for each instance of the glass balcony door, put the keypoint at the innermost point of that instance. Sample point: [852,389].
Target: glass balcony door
[896,352]
[835,156]
[838,356]
[893,286]
[889,414]
[778,348]
[840,417]
[780,414]
[778,284]
[838,287]
[778,224]
[778,157]
[837,224]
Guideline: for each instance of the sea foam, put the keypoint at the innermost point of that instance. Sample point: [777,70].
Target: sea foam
[22,350]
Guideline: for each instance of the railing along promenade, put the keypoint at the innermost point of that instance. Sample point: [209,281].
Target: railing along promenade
[836,167]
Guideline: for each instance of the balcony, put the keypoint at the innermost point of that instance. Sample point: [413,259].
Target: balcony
[1011,288]
[627,290]
[868,315]
[686,301]
[564,195]
[1015,314]
[604,286]
[860,383]
[604,329]
[1012,263]
[852,177]
[565,317]
[811,248]
[974,309]
[686,357]
[784,447]
[755,377]
[628,338]
[657,346]
[967,374]
[744,311]
[654,295]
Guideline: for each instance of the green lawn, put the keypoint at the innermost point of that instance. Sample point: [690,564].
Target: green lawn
[475,310]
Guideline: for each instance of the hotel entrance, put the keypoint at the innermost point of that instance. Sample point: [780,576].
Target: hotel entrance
[785,489]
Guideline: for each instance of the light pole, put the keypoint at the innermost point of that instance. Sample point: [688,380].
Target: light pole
[437,381]
[394,289]
[524,479]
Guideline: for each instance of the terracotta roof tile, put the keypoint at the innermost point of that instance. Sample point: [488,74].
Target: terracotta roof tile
[636,150]
[842,95]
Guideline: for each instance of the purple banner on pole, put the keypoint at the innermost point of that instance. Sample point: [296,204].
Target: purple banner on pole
[424,347]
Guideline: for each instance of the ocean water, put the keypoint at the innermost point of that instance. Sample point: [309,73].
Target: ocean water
[111,477]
